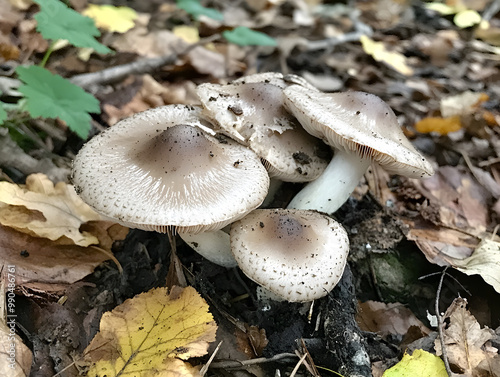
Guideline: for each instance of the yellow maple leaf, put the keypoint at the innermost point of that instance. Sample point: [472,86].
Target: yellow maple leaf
[111,18]
[379,52]
[43,209]
[150,335]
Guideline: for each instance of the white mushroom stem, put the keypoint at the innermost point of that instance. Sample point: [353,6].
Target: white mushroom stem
[274,185]
[214,246]
[334,186]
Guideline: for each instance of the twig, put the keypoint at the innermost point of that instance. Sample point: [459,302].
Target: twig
[233,364]
[441,324]
[297,366]
[145,65]
[205,367]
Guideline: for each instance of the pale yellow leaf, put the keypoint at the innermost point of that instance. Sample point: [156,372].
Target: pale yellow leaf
[150,335]
[21,4]
[41,209]
[467,18]
[111,18]
[484,261]
[380,53]
[188,33]
[464,339]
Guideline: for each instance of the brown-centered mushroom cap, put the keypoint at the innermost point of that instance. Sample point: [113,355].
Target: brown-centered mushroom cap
[358,122]
[253,114]
[296,254]
[160,169]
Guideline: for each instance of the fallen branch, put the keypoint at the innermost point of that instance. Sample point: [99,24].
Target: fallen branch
[234,364]
[441,324]
[146,65]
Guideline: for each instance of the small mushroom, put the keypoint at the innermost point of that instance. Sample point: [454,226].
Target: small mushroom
[251,111]
[163,170]
[296,254]
[362,128]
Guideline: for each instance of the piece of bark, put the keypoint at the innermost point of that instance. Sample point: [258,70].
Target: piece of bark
[344,339]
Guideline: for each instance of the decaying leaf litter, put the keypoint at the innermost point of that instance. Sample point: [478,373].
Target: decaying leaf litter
[435,68]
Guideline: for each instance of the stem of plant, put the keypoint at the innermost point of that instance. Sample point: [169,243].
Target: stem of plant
[47,54]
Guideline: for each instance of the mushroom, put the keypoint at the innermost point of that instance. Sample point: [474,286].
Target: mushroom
[298,255]
[362,128]
[163,169]
[251,111]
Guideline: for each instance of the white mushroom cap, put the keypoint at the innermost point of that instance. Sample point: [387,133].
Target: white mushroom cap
[159,169]
[358,122]
[277,79]
[253,114]
[296,254]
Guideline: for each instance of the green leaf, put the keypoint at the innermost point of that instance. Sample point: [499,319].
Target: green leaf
[3,113]
[194,8]
[51,96]
[420,363]
[58,21]
[244,36]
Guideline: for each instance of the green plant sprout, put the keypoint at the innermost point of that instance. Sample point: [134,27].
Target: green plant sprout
[48,95]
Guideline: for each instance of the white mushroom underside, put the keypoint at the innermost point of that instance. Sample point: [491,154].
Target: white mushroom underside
[298,255]
[358,122]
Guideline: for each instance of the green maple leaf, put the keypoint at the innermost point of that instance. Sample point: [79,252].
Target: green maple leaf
[51,96]
[57,21]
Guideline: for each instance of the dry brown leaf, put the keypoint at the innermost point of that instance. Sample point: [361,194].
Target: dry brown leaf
[151,334]
[484,261]
[44,210]
[465,340]
[43,265]
[384,319]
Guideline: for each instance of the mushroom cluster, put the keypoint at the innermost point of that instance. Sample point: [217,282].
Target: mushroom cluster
[197,169]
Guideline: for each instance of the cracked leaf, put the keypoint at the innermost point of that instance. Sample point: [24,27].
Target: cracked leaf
[150,335]
[464,339]
[43,209]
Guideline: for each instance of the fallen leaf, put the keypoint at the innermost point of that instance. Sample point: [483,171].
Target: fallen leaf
[462,104]
[467,18]
[380,53]
[420,363]
[43,265]
[384,319]
[464,339]
[484,261]
[111,18]
[440,125]
[151,334]
[187,33]
[43,209]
